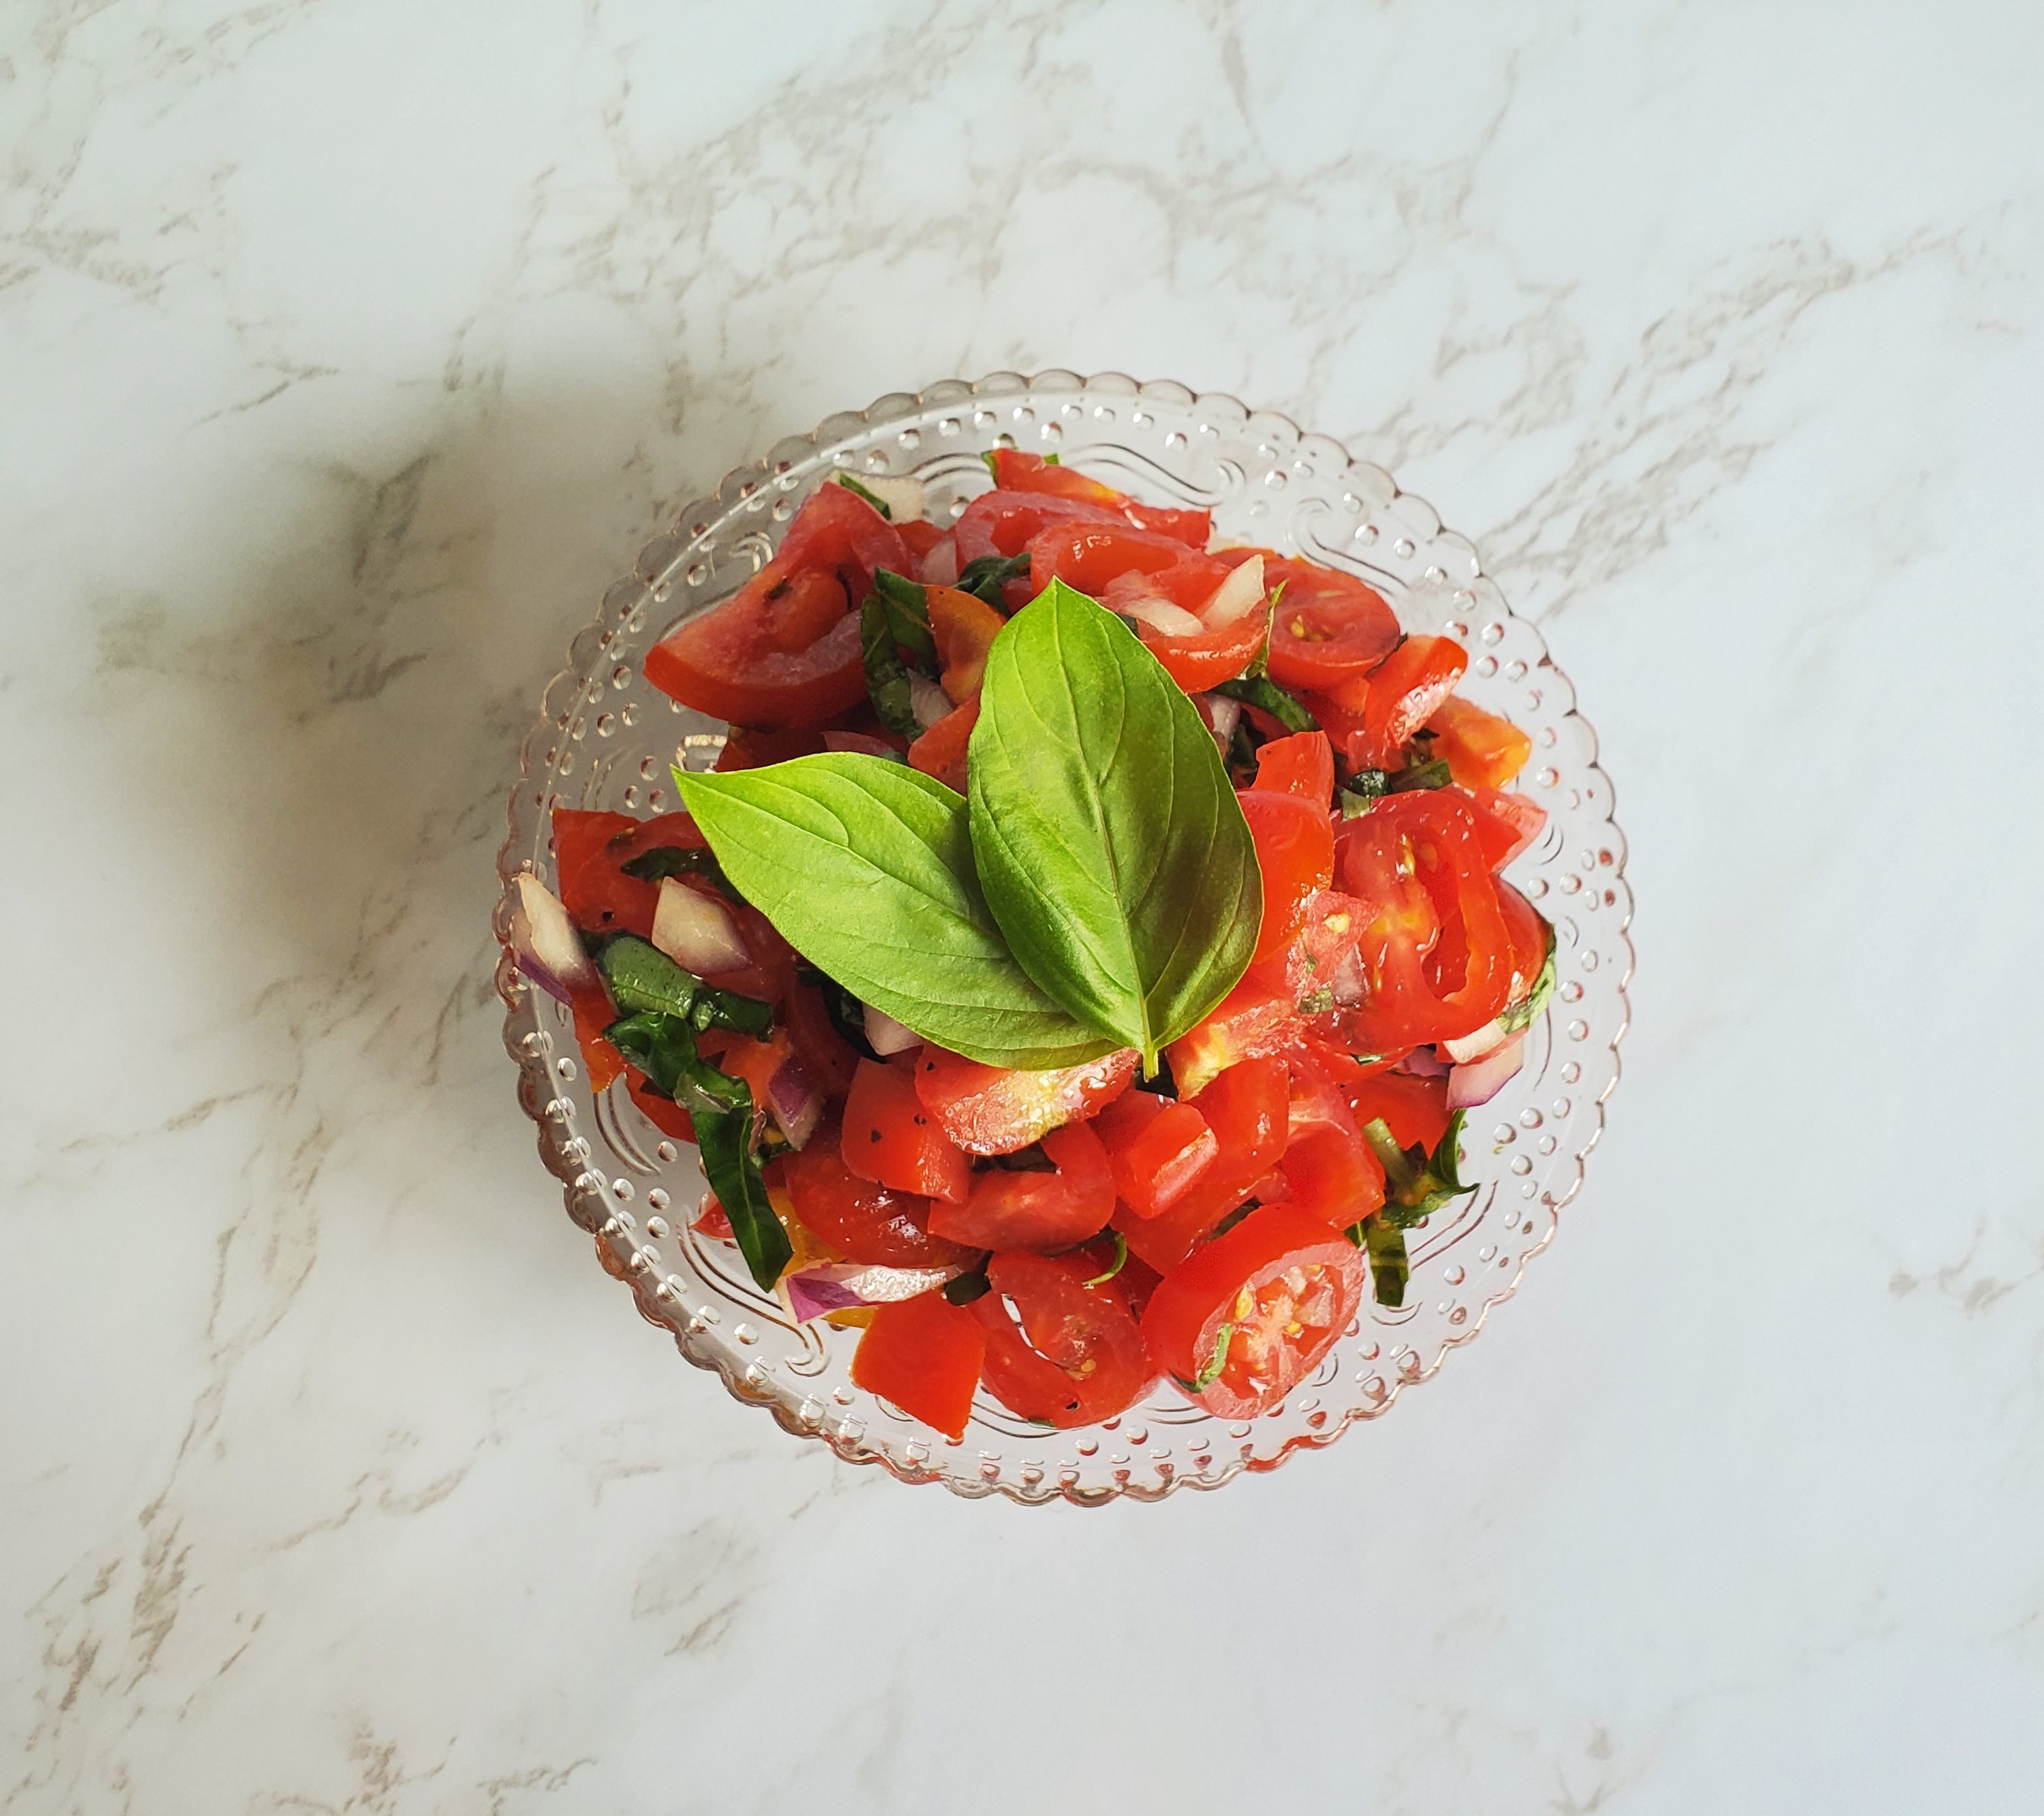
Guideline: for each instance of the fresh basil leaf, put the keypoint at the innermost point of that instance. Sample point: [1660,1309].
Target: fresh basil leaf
[1260,663]
[1265,694]
[985,576]
[886,674]
[865,491]
[1433,774]
[1383,1243]
[1120,1259]
[908,604]
[865,868]
[1054,460]
[986,459]
[1111,847]
[677,860]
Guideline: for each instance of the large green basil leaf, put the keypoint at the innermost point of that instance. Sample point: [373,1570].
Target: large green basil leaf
[1109,843]
[865,868]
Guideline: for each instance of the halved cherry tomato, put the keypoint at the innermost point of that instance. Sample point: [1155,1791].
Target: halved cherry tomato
[1269,1299]
[1252,1021]
[1506,824]
[1415,1110]
[1018,1210]
[1247,1107]
[1328,627]
[963,628]
[1295,852]
[1088,555]
[890,1138]
[941,751]
[1157,1164]
[784,650]
[1372,718]
[1301,765]
[1074,1357]
[1016,471]
[862,1221]
[1482,750]
[924,1354]
[1328,1167]
[1416,860]
[990,1109]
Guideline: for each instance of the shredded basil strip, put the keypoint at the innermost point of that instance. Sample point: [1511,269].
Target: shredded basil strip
[886,674]
[1433,774]
[984,575]
[1120,1259]
[1383,1243]
[908,605]
[642,978]
[1265,694]
[1417,1183]
[962,1289]
[679,861]
[1211,1373]
[865,491]
[1520,1016]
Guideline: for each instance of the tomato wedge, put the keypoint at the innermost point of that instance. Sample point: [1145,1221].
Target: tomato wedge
[1295,851]
[1016,471]
[1482,750]
[1506,824]
[1372,718]
[923,1354]
[941,751]
[1301,765]
[1329,627]
[991,1110]
[862,1221]
[1070,1353]
[784,650]
[1252,1021]
[1247,1107]
[890,1139]
[1021,1210]
[1251,1314]
[599,897]
[1328,1169]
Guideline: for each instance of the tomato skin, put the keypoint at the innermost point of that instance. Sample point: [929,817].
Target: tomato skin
[1247,1107]
[1182,1322]
[1482,750]
[1089,555]
[1014,470]
[599,897]
[919,537]
[1302,764]
[1373,718]
[992,1110]
[1415,1110]
[1328,1169]
[1329,627]
[1157,1165]
[1506,824]
[1295,851]
[1077,1356]
[783,650]
[1529,941]
[940,752]
[1037,1210]
[890,1139]
[963,628]
[1002,523]
[1252,1021]
[1198,663]
[924,1354]
[746,747]
[862,1221]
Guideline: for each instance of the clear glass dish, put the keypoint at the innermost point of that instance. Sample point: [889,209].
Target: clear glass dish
[605,738]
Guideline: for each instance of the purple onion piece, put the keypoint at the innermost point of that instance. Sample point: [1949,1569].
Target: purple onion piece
[1481,1080]
[548,950]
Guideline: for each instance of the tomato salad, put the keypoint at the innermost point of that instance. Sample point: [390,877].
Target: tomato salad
[1204,1192]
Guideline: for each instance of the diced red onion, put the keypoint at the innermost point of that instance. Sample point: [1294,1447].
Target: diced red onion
[930,701]
[1350,983]
[885,1035]
[1424,1062]
[696,931]
[1481,1044]
[1236,596]
[838,1286]
[797,1103]
[549,949]
[1469,1085]
[939,567]
[903,496]
[1161,616]
[1222,715]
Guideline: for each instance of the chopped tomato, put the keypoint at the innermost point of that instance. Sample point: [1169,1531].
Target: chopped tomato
[963,628]
[663,1113]
[1415,1110]
[918,536]
[1015,471]
[924,1354]
[1506,824]
[1329,627]
[1088,555]
[599,897]
[1416,860]
[1155,1164]
[1328,1169]
[990,1109]
[1482,750]
[1529,941]
[747,748]
[1021,1210]
[826,1055]
[862,1221]
[941,751]
[1247,1107]
[784,649]
[593,1012]
[1295,852]
[1069,1354]
[1301,765]
[1196,663]
[891,1139]
[1000,523]
[1252,1313]
[1253,1019]
[1372,718]
[712,1220]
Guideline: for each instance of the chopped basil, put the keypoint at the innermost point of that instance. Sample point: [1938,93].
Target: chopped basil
[1416,1183]
[1030,1159]
[1317,1002]
[962,1289]
[644,979]
[865,491]
[1520,1016]
[908,606]
[1120,1259]
[1211,1373]
[886,674]
[1265,694]
[677,860]
[1235,1217]
[1390,1267]
[1433,774]
[984,575]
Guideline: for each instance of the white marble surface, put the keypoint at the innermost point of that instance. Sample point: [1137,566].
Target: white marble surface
[346,351]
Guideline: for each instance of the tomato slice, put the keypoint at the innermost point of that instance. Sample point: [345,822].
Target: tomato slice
[1017,1210]
[1301,765]
[1506,824]
[1157,1163]
[1252,1021]
[1000,523]
[924,1354]
[1016,471]
[1268,1300]
[991,1110]
[941,751]
[862,1221]
[890,1139]
[1371,718]
[1329,626]
[1295,851]
[1088,555]
[1482,750]
[1196,663]
[1415,1110]
[1069,1354]
[1247,1107]
[784,649]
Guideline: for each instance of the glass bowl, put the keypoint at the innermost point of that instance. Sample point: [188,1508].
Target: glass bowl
[605,738]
